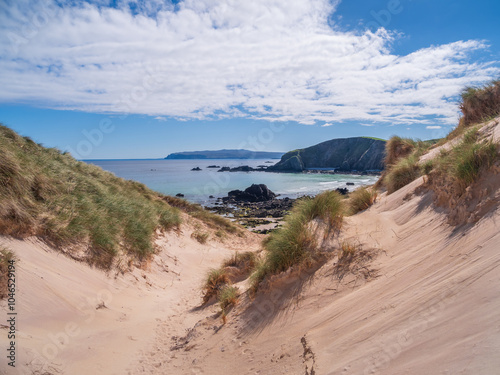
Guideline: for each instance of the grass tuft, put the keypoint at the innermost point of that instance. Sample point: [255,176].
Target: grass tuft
[295,244]
[199,236]
[480,104]
[244,262]
[361,199]
[228,297]
[462,165]
[400,174]
[214,283]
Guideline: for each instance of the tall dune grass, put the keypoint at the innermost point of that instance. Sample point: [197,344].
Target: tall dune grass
[295,244]
[49,194]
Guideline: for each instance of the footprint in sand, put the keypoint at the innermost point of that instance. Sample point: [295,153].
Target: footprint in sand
[196,370]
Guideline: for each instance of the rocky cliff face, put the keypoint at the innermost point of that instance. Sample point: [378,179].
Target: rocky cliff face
[343,154]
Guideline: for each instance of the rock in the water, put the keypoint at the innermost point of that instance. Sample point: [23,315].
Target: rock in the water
[196,169]
[254,193]
[213,166]
[179,195]
[350,183]
[224,169]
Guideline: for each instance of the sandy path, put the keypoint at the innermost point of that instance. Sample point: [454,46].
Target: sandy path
[432,309]
[62,329]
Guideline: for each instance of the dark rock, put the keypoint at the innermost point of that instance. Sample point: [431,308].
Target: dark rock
[243,168]
[179,195]
[213,166]
[224,169]
[211,197]
[343,191]
[350,183]
[254,193]
[196,169]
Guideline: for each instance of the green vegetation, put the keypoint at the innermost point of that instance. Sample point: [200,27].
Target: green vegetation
[462,165]
[402,173]
[214,282]
[228,297]
[477,105]
[244,262]
[295,243]
[375,138]
[402,155]
[361,199]
[46,193]
[5,257]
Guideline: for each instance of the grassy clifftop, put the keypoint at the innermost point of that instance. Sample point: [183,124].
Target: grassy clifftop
[74,205]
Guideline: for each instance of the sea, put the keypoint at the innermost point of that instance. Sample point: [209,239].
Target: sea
[173,177]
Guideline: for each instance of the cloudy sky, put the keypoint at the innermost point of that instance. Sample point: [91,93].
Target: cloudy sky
[146,78]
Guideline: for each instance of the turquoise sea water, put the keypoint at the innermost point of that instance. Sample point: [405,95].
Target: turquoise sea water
[175,176]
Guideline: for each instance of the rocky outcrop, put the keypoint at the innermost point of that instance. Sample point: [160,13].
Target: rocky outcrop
[343,154]
[255,193]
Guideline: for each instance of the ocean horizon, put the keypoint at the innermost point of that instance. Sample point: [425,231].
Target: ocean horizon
[173,177]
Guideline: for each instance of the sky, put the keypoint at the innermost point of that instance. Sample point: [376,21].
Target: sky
[142,79]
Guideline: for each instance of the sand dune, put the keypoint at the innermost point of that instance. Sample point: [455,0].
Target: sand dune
[423,299]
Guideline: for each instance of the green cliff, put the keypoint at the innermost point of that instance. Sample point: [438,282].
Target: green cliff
[343,154]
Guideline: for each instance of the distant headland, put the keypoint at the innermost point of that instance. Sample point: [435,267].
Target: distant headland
[226,154]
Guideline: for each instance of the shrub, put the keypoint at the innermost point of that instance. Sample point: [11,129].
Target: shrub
[361,199]
[215,281]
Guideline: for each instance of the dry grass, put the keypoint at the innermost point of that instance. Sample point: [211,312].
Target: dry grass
[5,257]
[397,148]
[480,104]
[244,262]
[200,236]
[361,199]
[215,281]
[48,194]
[401,173]
[402,162]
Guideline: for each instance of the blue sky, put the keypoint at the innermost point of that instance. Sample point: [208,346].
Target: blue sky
[137,79]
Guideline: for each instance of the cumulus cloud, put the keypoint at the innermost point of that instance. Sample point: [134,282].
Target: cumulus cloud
[205,59]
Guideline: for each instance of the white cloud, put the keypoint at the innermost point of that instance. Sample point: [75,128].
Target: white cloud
[433,127]
[264,59]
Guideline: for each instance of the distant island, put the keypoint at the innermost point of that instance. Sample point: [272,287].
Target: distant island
[225,154]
